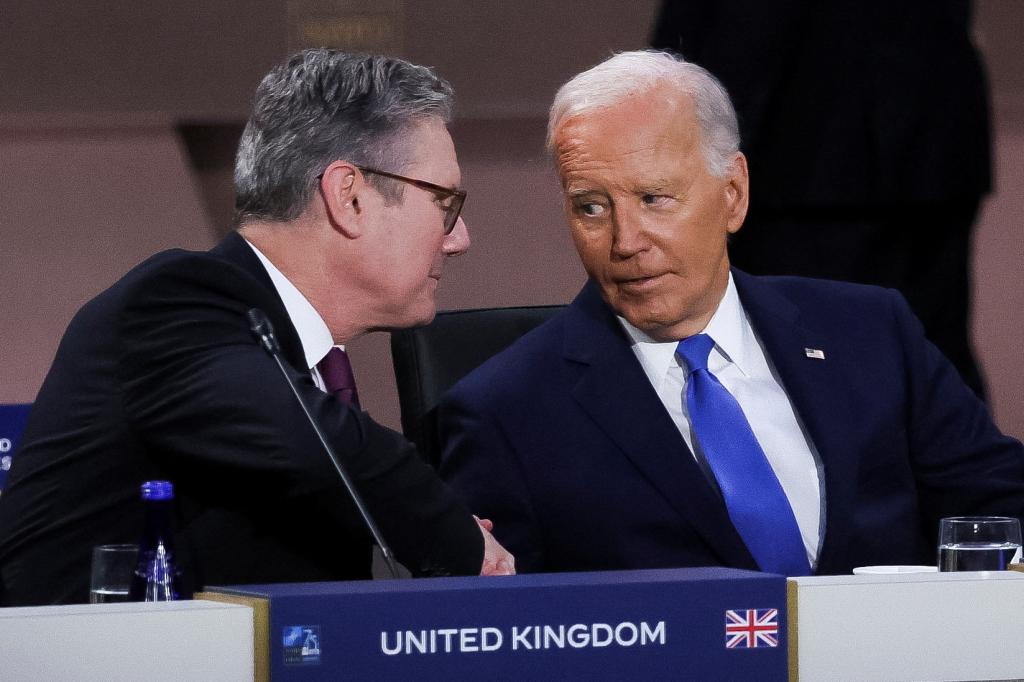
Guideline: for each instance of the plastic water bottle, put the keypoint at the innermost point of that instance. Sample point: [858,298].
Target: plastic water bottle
[156,578]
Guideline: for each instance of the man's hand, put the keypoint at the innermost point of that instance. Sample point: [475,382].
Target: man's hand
[497,559]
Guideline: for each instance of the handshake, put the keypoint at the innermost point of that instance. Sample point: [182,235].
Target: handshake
[497,559]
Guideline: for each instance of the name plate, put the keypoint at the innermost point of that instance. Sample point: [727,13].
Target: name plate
[12,423]
[708,624]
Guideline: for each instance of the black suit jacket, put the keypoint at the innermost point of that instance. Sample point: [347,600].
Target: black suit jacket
[159,378]
[846,102]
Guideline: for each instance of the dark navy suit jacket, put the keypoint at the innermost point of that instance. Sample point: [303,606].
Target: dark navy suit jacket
[562,441]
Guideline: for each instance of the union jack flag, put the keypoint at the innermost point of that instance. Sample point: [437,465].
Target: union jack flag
[751,628]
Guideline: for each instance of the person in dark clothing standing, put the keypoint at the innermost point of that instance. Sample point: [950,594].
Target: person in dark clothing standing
[866,125]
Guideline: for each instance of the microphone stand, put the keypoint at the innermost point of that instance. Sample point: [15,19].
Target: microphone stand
[263,330]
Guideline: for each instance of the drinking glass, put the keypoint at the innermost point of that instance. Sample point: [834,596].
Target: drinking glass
[112,569]
[978,543]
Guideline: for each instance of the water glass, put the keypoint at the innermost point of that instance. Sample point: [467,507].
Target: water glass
[978,543]
[112,570]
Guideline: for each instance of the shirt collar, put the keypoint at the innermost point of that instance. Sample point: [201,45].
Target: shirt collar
[728,327]
[313,333]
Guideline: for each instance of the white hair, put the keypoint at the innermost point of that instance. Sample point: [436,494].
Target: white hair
[628,74]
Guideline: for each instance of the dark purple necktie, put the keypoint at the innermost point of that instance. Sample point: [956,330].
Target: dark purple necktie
[336,371]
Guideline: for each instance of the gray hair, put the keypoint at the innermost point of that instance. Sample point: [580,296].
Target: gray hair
[322,105]
[631,73]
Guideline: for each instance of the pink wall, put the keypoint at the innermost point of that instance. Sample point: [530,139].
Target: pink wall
[93,177]
[999,283]
[79,207]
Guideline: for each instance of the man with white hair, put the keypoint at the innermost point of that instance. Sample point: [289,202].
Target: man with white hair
[683,413]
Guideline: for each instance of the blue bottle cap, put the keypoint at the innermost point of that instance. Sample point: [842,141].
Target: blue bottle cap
[157,490]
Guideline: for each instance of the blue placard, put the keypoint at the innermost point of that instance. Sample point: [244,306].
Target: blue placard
[684,624]
[12,424]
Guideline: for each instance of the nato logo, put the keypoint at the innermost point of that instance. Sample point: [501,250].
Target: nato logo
[301,644]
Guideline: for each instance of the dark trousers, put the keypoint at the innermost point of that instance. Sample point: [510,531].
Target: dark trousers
[923,251]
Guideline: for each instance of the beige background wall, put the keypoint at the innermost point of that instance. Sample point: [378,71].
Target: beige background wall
[117,121]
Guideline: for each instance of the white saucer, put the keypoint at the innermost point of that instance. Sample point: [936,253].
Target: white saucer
[880,570]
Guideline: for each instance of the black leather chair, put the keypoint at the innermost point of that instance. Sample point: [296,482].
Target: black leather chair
[429,360]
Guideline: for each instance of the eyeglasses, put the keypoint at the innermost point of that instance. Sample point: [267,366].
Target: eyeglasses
[451,210]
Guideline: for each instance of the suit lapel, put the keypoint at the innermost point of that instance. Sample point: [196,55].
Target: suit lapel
[816,388]
[613,390]
[235,250]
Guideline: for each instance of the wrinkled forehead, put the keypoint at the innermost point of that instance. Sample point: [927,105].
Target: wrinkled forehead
[653,125]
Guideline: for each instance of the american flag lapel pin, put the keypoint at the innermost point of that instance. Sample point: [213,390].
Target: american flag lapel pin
[815,353]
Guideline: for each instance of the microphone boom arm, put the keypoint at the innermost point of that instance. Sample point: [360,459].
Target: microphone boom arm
[263,330]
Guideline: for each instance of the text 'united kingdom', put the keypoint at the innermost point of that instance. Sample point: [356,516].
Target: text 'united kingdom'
[522,638]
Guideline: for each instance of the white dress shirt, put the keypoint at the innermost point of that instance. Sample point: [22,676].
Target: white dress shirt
[314,335]
[739,362]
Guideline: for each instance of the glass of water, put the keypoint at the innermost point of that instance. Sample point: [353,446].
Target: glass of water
[978,543]
[112,569]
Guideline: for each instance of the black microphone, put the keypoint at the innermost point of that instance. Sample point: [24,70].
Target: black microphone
[263,330]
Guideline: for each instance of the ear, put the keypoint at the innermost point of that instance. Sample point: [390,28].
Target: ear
[341,186]
[737,193]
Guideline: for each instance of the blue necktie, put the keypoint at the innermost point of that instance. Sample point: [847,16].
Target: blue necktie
[756,502]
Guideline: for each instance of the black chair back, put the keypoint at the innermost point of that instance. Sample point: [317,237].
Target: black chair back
[429,360]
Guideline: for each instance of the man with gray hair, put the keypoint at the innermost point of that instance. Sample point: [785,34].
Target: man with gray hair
[348,205]
[682,413]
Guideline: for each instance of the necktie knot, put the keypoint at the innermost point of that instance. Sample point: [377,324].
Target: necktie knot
[695,351]
[336,371]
